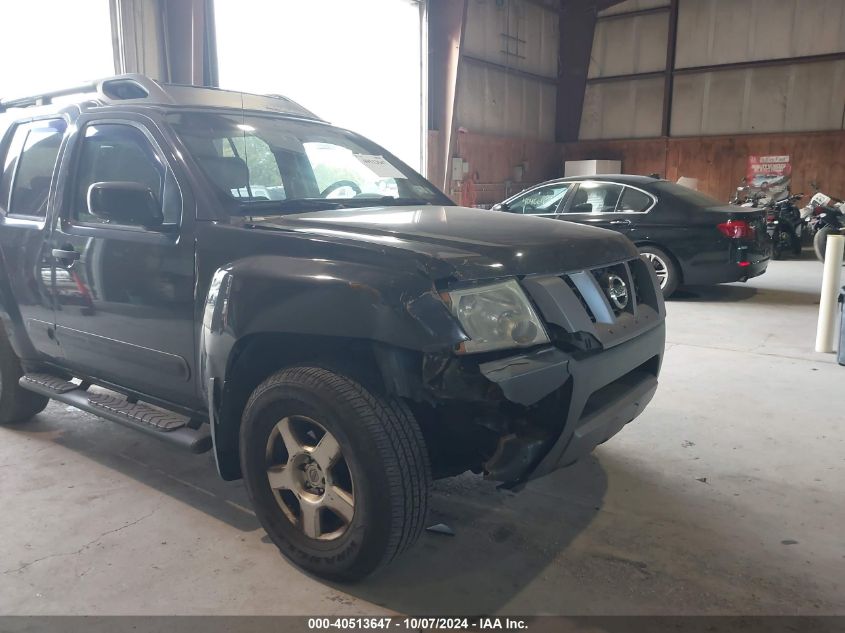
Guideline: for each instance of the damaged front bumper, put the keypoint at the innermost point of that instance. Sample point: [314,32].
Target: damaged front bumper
[604,388]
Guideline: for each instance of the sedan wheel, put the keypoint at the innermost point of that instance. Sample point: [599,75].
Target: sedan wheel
[309,477]
[659,268]
[664,268]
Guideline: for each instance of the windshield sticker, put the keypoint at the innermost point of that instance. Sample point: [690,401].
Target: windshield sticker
[379,166]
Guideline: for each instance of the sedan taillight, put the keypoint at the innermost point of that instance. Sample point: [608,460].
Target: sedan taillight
[736,229]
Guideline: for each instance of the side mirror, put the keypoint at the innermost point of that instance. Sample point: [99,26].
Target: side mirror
[584,207]
[501,207]
[126,203]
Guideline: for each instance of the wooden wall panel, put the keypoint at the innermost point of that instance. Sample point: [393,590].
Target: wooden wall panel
[494,158]
[645,156]
[718,162]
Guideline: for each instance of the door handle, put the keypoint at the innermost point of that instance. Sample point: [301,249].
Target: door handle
[64,255]
[620,222]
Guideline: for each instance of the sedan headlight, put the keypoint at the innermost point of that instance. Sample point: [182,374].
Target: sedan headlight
[497,316]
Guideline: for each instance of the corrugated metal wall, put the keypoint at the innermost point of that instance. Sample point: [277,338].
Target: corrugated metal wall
[508,70]
[616,106]
[789,98]
[623,109]
[628,45]
[724,81]
[793,97]
[714,32]
[630,6]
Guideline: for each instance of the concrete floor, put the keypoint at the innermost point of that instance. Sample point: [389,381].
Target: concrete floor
[726,497]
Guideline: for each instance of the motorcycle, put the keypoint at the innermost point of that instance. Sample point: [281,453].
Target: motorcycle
[745,197]
[830,220]
[785,226]
[824,215]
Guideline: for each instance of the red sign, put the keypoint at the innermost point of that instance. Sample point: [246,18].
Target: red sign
[770,174]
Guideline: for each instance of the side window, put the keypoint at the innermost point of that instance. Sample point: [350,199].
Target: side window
[542,200]
[634,200]
[112,152]
[595,197]
[29,167]
[265,180]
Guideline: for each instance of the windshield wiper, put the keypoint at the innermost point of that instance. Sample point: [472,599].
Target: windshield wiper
[292,205]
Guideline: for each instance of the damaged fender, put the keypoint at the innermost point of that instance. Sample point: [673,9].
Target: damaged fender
[270,294]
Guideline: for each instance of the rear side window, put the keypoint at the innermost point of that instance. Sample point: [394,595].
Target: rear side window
[634,200]
[29,166]
[595,197]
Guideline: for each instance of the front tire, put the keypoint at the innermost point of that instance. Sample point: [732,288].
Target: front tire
[17,405]
[338,476]
[664,267]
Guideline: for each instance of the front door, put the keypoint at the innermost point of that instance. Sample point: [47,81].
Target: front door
[543,201]
[126,312]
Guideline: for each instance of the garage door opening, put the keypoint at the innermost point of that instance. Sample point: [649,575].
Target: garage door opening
[356,65]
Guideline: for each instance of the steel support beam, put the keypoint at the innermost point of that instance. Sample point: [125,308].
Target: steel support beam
[633,14]
[447,21]
[762,63]
[166,40]
[577,27]
[669,83]
[609,78]
[508,69]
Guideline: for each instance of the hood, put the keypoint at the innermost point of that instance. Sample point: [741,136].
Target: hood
[475,243]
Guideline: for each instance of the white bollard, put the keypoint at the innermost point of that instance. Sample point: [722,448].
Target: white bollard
[831,280]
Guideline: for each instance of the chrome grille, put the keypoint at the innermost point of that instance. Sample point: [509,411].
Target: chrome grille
[583,301]
[607,276]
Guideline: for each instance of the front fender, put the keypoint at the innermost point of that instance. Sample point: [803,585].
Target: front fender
[308,299]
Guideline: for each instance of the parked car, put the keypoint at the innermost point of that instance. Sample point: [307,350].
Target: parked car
[335,352]
[688,237]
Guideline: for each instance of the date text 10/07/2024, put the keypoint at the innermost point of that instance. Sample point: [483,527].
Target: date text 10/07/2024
[416,624]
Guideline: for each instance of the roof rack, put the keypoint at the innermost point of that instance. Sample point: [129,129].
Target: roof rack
[131,86]
[139,89]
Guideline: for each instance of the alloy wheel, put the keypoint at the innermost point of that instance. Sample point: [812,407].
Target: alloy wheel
[310,478]
[660,268]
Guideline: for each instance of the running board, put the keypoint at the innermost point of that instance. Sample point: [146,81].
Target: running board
[164,425]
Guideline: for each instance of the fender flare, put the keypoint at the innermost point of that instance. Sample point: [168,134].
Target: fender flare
[269,295]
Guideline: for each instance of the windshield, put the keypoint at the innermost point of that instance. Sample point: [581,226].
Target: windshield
[686,194]
[265,163]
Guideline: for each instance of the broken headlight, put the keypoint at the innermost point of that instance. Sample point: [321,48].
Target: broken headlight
[494,317]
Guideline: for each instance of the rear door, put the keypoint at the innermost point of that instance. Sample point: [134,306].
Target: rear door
[609,205]
[30,153]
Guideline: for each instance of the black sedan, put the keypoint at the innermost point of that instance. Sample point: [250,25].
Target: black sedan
[688,237]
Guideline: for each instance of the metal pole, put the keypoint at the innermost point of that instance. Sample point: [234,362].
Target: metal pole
[831,281]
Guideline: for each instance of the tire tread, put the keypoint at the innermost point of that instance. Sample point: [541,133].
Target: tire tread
[17,405]
[398,439]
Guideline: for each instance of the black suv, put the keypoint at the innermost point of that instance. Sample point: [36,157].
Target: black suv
[228,272]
